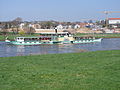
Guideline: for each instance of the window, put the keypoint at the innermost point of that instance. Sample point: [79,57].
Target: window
[21,38]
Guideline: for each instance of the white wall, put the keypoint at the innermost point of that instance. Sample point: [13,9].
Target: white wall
[114,21]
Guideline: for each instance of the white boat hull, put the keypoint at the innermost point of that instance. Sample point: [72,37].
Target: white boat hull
[28,43]
[88,41]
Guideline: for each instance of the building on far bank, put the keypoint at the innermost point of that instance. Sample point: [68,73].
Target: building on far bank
[76,26]
[21,25]
[114,22]
[59,27]
[37,26]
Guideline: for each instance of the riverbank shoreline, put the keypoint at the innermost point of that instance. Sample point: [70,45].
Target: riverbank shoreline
[101,37]
[11,37]
[90,70]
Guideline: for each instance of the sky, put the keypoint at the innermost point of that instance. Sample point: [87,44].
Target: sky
[58,10]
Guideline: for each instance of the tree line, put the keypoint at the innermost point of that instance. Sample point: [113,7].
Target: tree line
[14,27]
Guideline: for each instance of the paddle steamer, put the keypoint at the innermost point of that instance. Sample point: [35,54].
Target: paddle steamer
[52,38]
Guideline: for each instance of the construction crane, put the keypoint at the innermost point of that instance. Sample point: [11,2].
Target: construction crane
[109,12]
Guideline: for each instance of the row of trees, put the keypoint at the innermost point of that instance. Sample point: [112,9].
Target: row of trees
[14,27]
[48,24]
[53,24]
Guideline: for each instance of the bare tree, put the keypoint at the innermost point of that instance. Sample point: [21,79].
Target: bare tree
[18,19]
[47,25]
[29,30]
[15,24]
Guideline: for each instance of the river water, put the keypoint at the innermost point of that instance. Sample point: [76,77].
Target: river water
[14,50]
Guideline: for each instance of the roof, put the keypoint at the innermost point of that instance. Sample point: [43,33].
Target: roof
[114,19]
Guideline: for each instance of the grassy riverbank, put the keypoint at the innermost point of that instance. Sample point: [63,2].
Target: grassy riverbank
[12,36]
[98,70]
[114,35]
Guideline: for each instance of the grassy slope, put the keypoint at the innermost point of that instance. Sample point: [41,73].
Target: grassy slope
[117,35]
[76,71]
[11,36]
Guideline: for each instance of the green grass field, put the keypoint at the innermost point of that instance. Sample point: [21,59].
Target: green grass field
[12,36]
[114,35]
[98,70]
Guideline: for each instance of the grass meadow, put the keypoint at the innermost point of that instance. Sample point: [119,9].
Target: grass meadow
[99,70]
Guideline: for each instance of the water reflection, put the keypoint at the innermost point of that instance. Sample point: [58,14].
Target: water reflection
[20,50]
[14,50]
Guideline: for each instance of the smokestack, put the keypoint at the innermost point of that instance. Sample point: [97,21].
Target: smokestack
[55,30]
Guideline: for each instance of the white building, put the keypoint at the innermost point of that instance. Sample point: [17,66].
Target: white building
[21,25]
[70,27]
[59,27]
[76,26]
[114,22]
[109,31]
[36,26]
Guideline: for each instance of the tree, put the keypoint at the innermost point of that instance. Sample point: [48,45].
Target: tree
[6,26]
[47,25]
[29,30]
[15,24]
[4,31]
[18,19]
[21,32]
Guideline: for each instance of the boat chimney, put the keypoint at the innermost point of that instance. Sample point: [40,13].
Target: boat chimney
[55,30]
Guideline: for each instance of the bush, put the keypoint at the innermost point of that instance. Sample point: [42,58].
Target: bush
[21,32]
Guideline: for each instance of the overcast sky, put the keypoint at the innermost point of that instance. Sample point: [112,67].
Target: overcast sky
[59,10]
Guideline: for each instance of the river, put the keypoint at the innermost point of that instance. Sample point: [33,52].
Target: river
[14,50]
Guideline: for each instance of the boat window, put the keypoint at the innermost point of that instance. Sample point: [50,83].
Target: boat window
[21,38]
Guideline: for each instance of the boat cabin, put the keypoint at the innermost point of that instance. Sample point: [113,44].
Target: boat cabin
[84,38]
[60,34]
[25,39]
